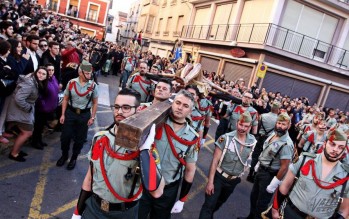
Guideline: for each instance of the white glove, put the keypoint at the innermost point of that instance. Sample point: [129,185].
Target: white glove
[76,216]
[150,139]
[273,185]
[177,207]
[202,142]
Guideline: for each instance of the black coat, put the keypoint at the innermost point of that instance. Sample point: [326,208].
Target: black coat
[29,68]
[47,58]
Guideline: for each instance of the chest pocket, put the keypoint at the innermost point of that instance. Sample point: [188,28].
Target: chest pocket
[307,183]
[230,157]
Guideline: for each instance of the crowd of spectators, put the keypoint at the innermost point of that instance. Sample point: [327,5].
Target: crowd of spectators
[34,40]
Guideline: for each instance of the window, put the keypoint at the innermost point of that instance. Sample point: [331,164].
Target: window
[53,5]
[160,25]
[169,24]
[89,32]
[73,8]
[92,13]
[150,24]
[179,27]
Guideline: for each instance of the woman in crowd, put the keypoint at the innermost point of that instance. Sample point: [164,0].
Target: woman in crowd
[45,107]
[7,77]
[21,108]
[17,63]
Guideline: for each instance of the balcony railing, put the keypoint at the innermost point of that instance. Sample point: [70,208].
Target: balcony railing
[274,36]
[344,1]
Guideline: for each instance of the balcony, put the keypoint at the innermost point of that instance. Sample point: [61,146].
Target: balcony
[273,36]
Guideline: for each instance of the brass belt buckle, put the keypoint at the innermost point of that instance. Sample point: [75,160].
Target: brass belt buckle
[78,111]
[105,205]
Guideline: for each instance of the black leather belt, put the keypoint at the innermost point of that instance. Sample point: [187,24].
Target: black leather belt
[107,206]
[295,209]
[77,110]
[268,169]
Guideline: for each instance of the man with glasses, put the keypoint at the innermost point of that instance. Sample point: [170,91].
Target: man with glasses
[80,95]
[43,46]
[112,185]
[52,56]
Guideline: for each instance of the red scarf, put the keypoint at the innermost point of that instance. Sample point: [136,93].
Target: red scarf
[73,85]
[98,153]
[311,164]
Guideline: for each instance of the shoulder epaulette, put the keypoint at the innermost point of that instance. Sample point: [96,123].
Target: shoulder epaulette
[307,154]
[345,167]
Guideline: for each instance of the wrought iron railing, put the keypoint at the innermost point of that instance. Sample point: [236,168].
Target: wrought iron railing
[271,35]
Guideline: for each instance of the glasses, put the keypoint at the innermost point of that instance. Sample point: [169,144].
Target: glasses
[124,108]
[43,45]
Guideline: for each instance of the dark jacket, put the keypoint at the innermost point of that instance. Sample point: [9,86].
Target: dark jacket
[29,68]
[47,58]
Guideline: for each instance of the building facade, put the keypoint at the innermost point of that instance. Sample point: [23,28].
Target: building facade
[90,16]
[116,23]
[131,23]
[305,45]
[162,22]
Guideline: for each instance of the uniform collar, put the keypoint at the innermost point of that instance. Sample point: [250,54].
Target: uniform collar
[185,129]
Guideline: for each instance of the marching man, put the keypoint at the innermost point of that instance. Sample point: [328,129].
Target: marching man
[229,162]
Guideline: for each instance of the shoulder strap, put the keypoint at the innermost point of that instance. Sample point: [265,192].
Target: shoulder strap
[224,151]
[89,100]
[277,153]
[340,199]
[71,84]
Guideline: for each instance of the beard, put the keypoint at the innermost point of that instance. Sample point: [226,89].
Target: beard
[280,132]
[331,158]
[245,104]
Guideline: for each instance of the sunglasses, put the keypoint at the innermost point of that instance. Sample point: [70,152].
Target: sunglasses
[43,45]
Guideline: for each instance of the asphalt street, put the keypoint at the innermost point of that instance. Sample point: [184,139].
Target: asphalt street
[39,189]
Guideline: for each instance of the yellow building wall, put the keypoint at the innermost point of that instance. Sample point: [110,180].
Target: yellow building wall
[257,11]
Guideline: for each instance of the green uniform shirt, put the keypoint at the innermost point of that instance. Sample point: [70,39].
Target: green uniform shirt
[81,102]
[311,144]
[144,88]
[270,149]
[204,107]
[235,111]
[231,163]
[330,122]
[311,199]
[116,171]
[268,120]
[168,162]
[197,125]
